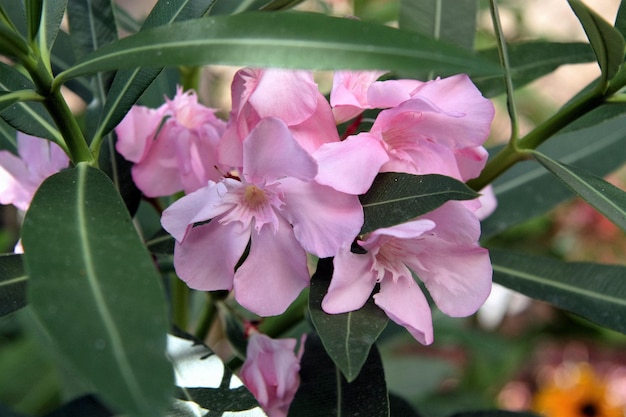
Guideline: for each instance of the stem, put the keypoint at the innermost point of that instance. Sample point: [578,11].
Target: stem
[180,303]
[208,317]
[514,153]
[504,62]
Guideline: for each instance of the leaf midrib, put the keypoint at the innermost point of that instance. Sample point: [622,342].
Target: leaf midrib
[418,196]
[100,302]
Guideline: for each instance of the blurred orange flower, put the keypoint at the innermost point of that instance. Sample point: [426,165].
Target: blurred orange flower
[575,391]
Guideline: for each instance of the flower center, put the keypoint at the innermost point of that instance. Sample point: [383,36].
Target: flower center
[254,196]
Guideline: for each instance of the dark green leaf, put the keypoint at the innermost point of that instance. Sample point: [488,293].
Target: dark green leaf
[603,196]
[602,113]
[347,337]
[452,21]
[30,118]
[92,25]
[282,39]
[12,284]
[203,380]
[620,19]
[7,137]
[63,58]
[33,17]
[528,190]
[11,43]
[233,7]
[395,198]
[162,243]
[128,85]
[399,407]
[531,60]
[606,41]
[119,170]
[594,291]
[16,12]
[86,406]
[51,18]
[324,392]
[94,288]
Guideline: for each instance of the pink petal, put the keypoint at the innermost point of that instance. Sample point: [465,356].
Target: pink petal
[201,205]
[391,93]
[136,132]
[455,223]
[318,129]
[323,219]
[458,277]
[14,185]
[471,161]
[348,95]
[351,165]
[288,95]
[271,153]
[404,303]
[274,273]
[207,258]
[352,283]
[408,230]
[488,203]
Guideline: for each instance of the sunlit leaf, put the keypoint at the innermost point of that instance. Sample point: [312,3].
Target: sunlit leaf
[606,41]
[347,337]
[528,190]
[395,198]
[594,291]
[95,289]
[604,196]
[12,284]
[324,392]
[282,39]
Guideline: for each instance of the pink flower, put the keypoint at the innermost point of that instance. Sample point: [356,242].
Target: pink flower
[276,206]
[440,247]
[270,372]
[434,127]
[291,96]
[21,176]
[173,147]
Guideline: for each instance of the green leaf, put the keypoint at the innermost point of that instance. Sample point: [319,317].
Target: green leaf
[33,17]
[12,284]
[324,392]
[51,17]
[128,85]
[11,43]
[531,60]
[63,58]
[453,21]
[594,291]
[603,196]
[204,381]
[395,198]
[620,19]
[282,39]
[30,118]
[528,190]
[347,337]
[95,289]
[602,113]
[606,41]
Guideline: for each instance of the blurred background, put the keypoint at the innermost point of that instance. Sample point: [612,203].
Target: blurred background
[516,353]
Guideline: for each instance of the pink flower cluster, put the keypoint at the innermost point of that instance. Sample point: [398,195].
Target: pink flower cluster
[276,182]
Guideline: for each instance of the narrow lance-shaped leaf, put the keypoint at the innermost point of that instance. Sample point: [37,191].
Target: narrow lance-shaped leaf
[282,39]
[12,284]
[602,195]
[30,118]
[606,41]
[452,21]
[594,291]
[528,190]
[33,17]
[347,337]
[51,18]
[531,60]
[94,288]
[324,392]
[395,197]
